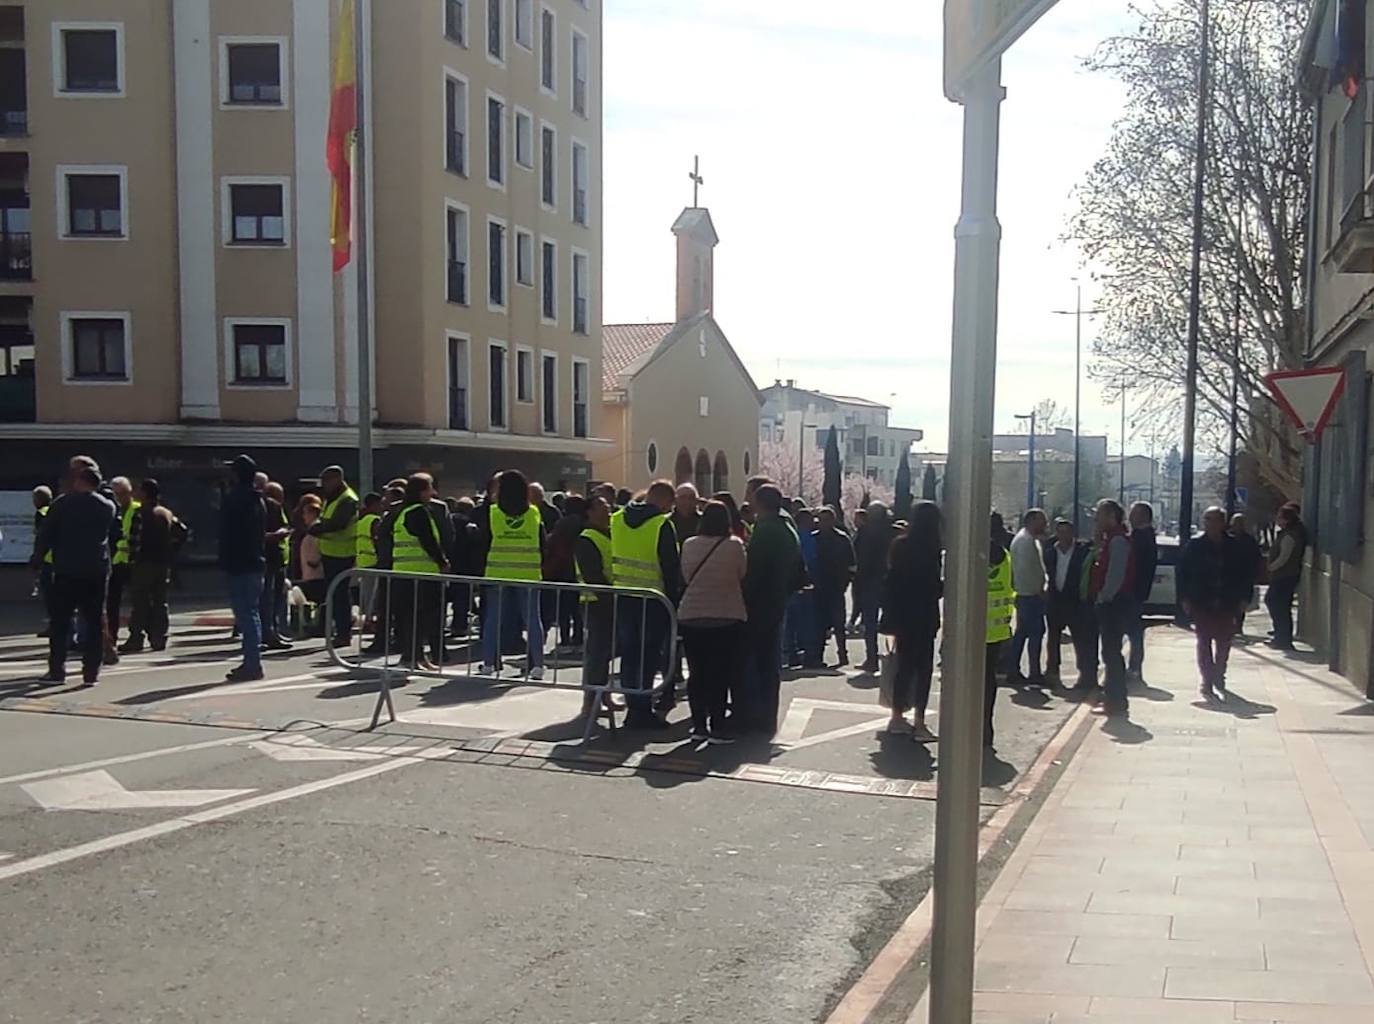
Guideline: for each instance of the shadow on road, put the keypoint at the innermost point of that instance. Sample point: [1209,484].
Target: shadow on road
[901,757]
[1123,730]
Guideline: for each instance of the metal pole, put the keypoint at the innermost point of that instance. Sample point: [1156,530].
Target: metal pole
[1122,496]
[362,41]
[1185,503]
[801,454]
[968,500]
[1077,407]
[1235,403]
[1030,470]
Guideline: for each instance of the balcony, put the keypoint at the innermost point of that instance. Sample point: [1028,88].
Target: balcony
[1353,249]
[18,395]
[14,103]
[16,256]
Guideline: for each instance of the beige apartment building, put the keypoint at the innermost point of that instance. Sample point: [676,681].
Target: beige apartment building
[166,292]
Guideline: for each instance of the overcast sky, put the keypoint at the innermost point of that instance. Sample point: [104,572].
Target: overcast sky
[832,174]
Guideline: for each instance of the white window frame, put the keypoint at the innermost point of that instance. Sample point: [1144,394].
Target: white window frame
[572,73]
[466,41]
[466,339]
[574,144]
[572,289]
[226,206]
[553,171]
[454,204]
[500,186]
[528,237]
[450,74]
[493,307]
[230,322]
[498,59]
[572,397]
[548,90]
[548,321]
[65,320]
[283,45]
[64,171]
[544,355]
[528,6]
[525,350]
[521,114]
[504,346]
[59,59]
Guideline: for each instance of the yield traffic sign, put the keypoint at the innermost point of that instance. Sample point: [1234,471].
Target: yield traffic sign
[978,31]
[1308,397]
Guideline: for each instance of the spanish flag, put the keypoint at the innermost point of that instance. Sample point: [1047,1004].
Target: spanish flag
[343,125]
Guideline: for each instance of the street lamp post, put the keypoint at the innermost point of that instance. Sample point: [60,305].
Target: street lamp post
[1121,497]
[1185,502]
[1078,313]
[802,428]
[1030,459]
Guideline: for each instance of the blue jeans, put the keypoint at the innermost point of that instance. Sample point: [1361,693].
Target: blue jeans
[799,628]
[643,627]
[1030,632]
[515,608]
[245,596]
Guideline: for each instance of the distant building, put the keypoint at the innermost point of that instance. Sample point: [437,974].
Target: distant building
[677,402]
[869,446]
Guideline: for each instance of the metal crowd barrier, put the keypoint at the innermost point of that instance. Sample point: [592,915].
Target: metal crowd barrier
[492,593]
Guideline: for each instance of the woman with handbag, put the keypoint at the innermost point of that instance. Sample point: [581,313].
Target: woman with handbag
[911,615]
[712,618]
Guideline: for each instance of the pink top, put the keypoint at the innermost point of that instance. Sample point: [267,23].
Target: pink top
[310,553]
[715,578]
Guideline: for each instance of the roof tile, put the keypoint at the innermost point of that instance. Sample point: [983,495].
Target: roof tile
[622,344]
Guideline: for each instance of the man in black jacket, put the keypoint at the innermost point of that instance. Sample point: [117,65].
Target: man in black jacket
[242,529]
[834,571]
[1213,584]
[1068,608]
[871,548]
[1145,550]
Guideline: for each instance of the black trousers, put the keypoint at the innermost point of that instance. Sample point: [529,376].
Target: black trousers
[418,623]
[992,662]
[762,662]
[1113,620]
[915,668]
[830,615]
[148,604]
[273,582]
[1135,634]
[1079,620]
[643,627]
[712,661]
[343,603]
[569,618]
[1279,601]
[84,596]
[600,643]
[120,576]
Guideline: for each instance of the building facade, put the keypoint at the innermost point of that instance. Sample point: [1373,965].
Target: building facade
[166,289]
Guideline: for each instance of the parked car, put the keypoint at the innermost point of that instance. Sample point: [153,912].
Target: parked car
[1164,594]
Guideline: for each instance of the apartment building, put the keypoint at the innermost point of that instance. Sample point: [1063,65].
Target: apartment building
[166,292]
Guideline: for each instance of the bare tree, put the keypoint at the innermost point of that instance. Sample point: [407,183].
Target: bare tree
[1049,416]
[1134,221]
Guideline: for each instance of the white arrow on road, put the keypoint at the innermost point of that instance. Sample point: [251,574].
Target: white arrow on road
[304,748]
[101,791]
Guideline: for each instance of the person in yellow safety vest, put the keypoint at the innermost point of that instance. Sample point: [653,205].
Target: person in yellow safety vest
[513,533]
[1001,600]
[42,504]
[594,557]
[337,531]
[644,556]
[119,545]
[417,548]
[366,547]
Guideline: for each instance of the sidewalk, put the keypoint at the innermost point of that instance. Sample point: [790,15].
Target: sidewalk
[1197,864]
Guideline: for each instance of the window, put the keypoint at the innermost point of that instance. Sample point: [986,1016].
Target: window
[457,383]
[496,156]
[579,183]
[875,446]
[93,204]
[579,273]
[524,23]
[547,44]
[704,406]
[524,139]
[651,458]
[259,354]
[524,375]
[257,214]
[579,73]
[496,373]
[496,264]
[581,383]
[495,45]
[97,347]
[548,392]
[252,73]
[455,124]
[524,258]
[549,281]
[456,21]
[820,439]
[548,166]
[456,255]
[88,59]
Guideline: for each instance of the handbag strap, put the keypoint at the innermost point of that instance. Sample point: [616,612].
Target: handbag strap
[702,564]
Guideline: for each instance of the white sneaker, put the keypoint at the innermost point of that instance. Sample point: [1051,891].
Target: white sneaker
[489,670]
[536,673]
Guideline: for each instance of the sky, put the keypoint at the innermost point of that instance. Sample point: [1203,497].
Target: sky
[832,165]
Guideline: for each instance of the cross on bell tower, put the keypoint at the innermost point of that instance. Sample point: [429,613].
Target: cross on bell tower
[697,181]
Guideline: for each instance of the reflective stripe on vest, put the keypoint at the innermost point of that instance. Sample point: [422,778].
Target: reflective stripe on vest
[514,553]
[603,545]
[634,553]
[339,543]
[407,553]
[126,522]
[1001,599]
[43,514]
[366,547]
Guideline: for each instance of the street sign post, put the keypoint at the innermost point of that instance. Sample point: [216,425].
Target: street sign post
[1308,397]
[977,32]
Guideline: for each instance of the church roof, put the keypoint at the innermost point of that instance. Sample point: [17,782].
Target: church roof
[696,222]
[624,344]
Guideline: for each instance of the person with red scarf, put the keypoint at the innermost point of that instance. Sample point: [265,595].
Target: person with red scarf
[1111,585]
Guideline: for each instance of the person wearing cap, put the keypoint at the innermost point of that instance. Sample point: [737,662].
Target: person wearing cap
[337,530]
[242,528]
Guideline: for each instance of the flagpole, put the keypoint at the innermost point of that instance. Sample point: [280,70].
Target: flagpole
[362,42]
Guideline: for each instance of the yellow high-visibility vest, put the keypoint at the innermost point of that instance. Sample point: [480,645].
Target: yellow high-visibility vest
[634,553]
[126,521]
[514,553]
[366,547]
[407,553]
[603,545]
[339,543]
[1001,599]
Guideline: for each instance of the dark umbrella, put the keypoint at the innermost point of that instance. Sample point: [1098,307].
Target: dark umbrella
[830,491]
[930,484]
[901,500]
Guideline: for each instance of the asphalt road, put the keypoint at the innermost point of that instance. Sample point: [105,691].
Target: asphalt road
[173,848]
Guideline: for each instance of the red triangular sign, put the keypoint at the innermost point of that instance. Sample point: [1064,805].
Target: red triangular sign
[1308,397]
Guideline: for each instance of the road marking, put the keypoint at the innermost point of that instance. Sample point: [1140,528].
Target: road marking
[306,748]
[798,717]
[228,689]
[108,762]
[101,791]
[162,828]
